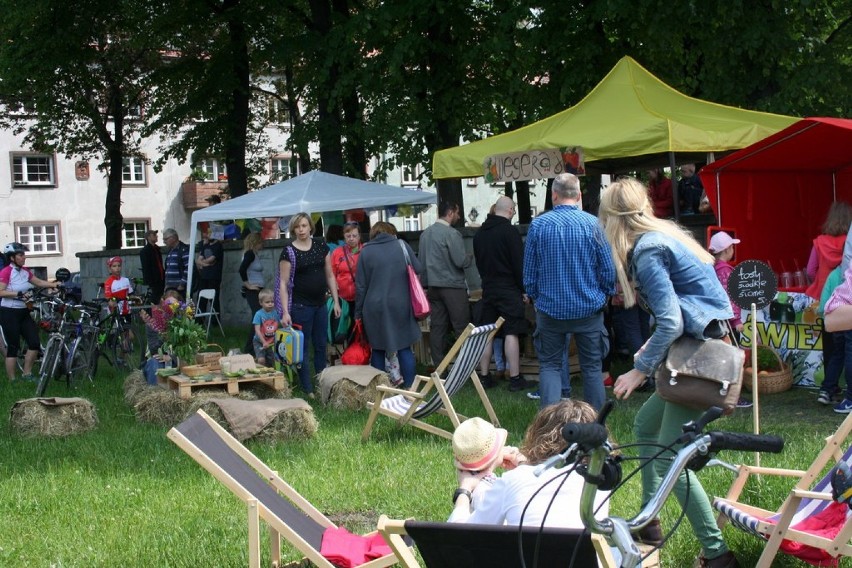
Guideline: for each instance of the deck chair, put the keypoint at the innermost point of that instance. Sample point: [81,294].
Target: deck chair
[429,395]
[450,545]
[209,295]
[808,499]
[267,497]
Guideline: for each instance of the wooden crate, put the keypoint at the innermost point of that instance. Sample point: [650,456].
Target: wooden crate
[182,385]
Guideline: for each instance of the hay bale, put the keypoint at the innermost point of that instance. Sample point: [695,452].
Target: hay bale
[134,384]
[262,391]
[53,417]
[296,424]
[349,395]
[156,405]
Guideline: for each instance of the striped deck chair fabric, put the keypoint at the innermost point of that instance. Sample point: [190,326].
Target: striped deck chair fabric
[429,395]
[269,498]
[792,528]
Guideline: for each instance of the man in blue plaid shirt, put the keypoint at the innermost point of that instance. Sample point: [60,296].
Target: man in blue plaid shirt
[569,275]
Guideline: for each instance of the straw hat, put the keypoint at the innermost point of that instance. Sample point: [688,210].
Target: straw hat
[477,444]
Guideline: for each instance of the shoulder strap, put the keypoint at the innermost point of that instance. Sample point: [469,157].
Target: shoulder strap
[405,252]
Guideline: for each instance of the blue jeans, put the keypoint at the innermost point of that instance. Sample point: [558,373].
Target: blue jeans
[552,337]
[631,327]
[313,320]
[499,362]
[839,360]
[407,365]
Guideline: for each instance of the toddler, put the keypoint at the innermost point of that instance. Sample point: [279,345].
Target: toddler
[265,325]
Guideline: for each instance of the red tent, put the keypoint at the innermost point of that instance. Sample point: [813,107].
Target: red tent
[776,192]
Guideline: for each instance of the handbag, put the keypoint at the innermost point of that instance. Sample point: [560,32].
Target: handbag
[699,374]
[358,352]
[419,302]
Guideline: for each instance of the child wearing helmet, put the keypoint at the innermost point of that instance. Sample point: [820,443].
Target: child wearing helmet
[117,287]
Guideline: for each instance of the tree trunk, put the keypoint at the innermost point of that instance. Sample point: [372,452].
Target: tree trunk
[235,141]
[328,112]
[522,198]
[113,221]
[303,154]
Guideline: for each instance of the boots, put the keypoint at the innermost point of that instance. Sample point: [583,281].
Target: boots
[518,383]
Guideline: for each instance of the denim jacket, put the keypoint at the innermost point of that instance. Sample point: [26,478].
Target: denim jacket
[682,292]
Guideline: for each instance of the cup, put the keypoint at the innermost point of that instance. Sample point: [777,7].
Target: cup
[800,279]
[786,280]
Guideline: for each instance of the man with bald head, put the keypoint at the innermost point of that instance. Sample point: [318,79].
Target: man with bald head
[499,253]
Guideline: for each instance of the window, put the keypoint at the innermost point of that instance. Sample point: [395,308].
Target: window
[33,170]
[411,175]
[472,182]
[280,168]
[411,223]
[276,110]
[40,239]
[214,169]
[133,233]
[133,170]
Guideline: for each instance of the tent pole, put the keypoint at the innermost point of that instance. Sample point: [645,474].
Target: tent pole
[675,193]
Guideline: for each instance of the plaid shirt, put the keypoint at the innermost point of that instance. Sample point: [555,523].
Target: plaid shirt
[842,295]
[568,268]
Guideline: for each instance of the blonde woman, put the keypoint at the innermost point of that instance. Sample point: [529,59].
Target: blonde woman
[674,276]
[304,279]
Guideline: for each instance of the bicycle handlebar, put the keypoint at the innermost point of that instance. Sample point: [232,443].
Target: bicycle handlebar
[743,442]
[586,435]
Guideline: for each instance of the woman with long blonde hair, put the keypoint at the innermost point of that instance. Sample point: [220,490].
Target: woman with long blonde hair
[662,263]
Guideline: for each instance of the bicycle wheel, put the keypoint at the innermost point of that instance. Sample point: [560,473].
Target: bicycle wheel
[50,363]
[79,360]
[132,345]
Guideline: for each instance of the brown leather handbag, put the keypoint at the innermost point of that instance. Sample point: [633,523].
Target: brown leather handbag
[700,374]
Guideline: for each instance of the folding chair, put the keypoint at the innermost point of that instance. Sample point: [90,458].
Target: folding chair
[809,500]
[449,545]
[429,395]
[209,295]
[267,497]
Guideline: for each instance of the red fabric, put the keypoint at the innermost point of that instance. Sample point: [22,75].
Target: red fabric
[776,193]
[343,265]
[660,192]
[829,250]
[826,524]
[348,550]
[358,352]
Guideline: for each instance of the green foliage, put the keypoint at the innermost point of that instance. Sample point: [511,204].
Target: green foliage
[767,359]
[184,337]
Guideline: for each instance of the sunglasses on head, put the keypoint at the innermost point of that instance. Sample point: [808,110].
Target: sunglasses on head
[351,224]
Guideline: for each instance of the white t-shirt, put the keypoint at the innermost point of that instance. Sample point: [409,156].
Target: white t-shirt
[502,501]
[17,280]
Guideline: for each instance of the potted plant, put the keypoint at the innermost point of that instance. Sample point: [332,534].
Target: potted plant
[773,375]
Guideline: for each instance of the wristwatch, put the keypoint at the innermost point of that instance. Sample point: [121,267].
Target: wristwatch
[458,492]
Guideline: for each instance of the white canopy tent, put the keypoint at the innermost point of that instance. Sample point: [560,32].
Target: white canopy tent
[313,192]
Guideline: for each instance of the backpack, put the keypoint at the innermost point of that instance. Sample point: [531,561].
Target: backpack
[338,328]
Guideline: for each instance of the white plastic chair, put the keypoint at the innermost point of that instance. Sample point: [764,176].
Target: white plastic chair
[209,295]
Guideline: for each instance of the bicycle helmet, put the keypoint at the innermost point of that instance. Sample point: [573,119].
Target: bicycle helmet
[12,249]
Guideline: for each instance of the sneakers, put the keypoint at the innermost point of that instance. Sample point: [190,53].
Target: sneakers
[534,395]
[727,560]
[651,535]
[744,403]
[566,395]
[519,383]
[825,397]
[488,381]
[30,378]
[609,382]
[845,407]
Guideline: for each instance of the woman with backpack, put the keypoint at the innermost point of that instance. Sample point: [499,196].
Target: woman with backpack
[344,263]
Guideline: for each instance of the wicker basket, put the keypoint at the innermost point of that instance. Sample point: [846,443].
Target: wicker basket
[210,358]
[195,370]
[772,382]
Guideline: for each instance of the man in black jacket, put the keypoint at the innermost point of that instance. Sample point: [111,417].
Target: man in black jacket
[499,252]
[151,259]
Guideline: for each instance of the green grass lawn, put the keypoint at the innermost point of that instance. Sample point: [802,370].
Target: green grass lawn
[124,495]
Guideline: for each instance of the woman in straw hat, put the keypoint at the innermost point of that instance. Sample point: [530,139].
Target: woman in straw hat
[674,276]
[479,449]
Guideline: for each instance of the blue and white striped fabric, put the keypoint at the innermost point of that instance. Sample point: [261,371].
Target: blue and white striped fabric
[465,364]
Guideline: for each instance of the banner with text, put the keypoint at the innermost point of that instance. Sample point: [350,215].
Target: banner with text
[534,164]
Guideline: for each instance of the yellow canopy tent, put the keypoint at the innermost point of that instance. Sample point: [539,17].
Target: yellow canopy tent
[630,120]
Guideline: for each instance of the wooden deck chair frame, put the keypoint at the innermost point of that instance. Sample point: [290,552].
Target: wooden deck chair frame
[209,312]
[432,394]
[502,545]
[267,497]
[803,490]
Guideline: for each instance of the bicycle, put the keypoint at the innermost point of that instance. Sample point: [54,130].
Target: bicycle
[119,339]
[37,304]
[594,459]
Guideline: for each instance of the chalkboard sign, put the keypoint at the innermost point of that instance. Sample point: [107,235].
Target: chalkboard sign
[752,282]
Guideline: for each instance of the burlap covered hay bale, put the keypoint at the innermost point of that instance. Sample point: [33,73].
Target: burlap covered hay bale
[54,417]
[134,384]
[350,387]
[297,424]
[156,405]
[262,390]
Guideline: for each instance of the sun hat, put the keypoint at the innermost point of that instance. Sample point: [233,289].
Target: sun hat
[720,241]
[477,444]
